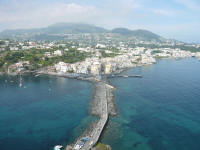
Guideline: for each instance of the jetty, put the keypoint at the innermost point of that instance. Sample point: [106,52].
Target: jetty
[89,141]
[124,76]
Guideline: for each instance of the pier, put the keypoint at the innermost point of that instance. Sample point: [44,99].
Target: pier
[125,76]
[94,135]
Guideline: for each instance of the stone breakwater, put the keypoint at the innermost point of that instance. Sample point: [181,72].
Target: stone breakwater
[100,109]
[96,102]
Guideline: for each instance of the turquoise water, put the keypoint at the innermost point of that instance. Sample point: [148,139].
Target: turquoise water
[45,112]
[157,112]
[161,111]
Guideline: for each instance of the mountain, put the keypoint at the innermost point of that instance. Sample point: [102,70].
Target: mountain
[122,31]
[144,34]
[74,28]
[59,28]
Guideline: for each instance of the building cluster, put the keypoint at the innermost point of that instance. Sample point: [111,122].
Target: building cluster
[174,53]
[97,65]
[27,45]
[125,55]
[53,54]
[197,55]
[132,57]
[18,67]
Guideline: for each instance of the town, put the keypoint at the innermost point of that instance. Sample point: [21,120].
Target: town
[81,57]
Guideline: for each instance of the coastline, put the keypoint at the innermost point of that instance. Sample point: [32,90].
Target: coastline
[87,76]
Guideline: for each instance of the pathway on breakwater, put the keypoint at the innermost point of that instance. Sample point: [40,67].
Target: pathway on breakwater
[95,133]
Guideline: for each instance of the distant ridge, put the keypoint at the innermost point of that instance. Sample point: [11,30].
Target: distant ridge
[77,28]
[57,28]
[145,34]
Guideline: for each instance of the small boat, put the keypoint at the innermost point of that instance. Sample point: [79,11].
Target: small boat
[36,75]
[20,81]
[125,76]
[20,84]
[58,147]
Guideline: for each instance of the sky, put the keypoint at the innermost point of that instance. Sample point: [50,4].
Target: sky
[174,19]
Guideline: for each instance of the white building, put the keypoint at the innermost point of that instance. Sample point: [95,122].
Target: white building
[100,46]
[57,53]
[14,48]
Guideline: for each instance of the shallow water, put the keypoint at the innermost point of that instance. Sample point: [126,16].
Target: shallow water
[160,111]
[157,112]
[44,112]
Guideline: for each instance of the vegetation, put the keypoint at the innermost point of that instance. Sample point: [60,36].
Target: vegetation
[1,63]
[113,49]
[38,59]
[156,51]
[104,54]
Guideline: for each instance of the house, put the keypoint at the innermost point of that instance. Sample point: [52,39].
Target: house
[57,53]
[47,54]
[96,68]
[100,46]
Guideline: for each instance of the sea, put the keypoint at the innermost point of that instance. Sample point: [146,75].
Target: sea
[157,112]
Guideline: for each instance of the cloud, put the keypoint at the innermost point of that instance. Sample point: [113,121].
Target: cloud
[163,12]
[31,16]
[190,4]
[175,31]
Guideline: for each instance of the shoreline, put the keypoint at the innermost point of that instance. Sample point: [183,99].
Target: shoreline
[88,76]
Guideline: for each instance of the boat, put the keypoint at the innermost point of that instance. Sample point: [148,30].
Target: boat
[125,76]
[36,75]
[20,84]
[20,80]
[58,147]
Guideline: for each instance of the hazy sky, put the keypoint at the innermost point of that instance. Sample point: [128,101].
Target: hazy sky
[178,19]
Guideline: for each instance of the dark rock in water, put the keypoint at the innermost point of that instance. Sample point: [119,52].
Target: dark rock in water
[69,147]
[101,146]
[11,131]
[136,144]
[29,131]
